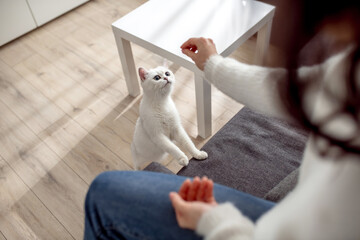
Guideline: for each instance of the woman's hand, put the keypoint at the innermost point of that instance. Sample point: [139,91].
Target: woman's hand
[199,50]
[199,190]
[192,201]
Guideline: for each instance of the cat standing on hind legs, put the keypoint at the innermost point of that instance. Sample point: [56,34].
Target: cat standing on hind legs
[159,123]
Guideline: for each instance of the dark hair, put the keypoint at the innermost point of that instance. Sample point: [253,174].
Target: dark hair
[309,16]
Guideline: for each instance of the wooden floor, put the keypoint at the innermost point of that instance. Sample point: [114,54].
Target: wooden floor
[65,117]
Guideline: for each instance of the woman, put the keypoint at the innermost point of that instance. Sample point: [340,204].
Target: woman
[324,98]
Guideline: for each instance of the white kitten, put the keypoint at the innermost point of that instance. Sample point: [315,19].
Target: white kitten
[159,122]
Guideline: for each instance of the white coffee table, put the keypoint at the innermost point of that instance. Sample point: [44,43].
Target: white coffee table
[161,26]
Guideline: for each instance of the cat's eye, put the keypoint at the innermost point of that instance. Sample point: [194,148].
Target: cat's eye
[157,77]
[167,74]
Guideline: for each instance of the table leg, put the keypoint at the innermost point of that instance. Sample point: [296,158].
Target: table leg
[203,105]
[128,65]
[262,43]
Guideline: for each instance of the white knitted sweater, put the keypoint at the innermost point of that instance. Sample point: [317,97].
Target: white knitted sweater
[326,201]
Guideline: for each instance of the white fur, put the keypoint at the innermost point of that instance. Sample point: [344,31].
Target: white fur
[159,123]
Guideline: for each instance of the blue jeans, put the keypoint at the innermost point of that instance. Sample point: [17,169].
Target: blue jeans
[136,205]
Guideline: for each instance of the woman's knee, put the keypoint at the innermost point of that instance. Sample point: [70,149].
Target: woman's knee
[102,185]
[106,180]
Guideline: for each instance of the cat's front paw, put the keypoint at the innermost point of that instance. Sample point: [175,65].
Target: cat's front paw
[183,161]
[201,155]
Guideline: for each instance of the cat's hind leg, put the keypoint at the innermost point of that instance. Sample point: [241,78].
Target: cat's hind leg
[137,161]
[152,153]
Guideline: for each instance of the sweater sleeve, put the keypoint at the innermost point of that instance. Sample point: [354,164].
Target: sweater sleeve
[253,86]
[225,222]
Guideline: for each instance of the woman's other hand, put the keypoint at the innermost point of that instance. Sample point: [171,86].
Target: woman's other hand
[198,190]
[192,201]
[199,50]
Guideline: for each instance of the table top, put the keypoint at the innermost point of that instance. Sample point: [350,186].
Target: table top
[163,25]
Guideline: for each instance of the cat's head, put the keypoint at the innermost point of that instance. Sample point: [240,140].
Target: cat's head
[157,81]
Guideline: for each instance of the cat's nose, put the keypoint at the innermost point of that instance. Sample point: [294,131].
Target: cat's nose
[165,78]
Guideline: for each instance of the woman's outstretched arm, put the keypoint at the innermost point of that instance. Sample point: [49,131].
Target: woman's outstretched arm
[254,86]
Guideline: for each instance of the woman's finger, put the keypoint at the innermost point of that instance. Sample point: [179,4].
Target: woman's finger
[209,194]
[184,189]
[202,188]
[189,42]
[193,189]
[189,53]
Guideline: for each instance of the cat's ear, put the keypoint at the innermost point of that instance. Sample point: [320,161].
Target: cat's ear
[142,74]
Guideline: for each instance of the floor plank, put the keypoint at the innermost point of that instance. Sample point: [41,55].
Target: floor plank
[36,110]
[39,218]
[66,93]
[63,193]
[52,181]
[22,213]
[15,52]
[2,237]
